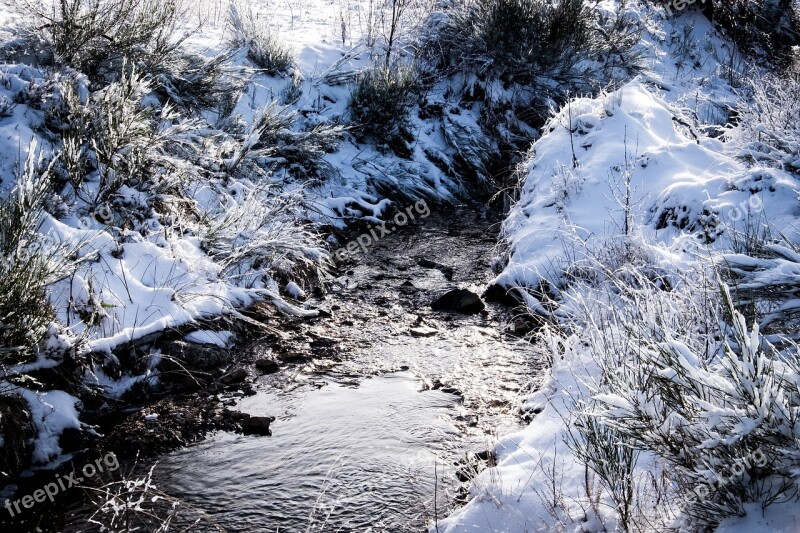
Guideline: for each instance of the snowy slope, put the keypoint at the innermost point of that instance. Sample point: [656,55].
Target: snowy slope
[633,166]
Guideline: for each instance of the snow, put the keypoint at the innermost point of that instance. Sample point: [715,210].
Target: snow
[52,412]
[626,158]
[780,517]
[688,194]
[294,290]
[222,339]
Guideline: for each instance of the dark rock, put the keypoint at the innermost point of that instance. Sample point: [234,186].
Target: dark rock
[267,366]
[459,300]
[463,476]
[73,439]
[202,356]
[486,455]
[234,376]
[502,295]
[322,342]
[257,425]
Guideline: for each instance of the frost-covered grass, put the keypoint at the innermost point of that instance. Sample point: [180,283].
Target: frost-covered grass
[264,47]
[27,266]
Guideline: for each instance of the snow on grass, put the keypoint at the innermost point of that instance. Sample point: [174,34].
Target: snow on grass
[52,412]
[629,177]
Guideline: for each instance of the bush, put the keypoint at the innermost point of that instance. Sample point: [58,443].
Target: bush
[27,265]
[195,82]
[522,40]
[768,128]
[272,141]
[684,379]
[761,285]
[260,235]
[380,102]
[708,414]
[769,27]
[106,136]
[114,147]
[675,374]
[264,48]
[95,36]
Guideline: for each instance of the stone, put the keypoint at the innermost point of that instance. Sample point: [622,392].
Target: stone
[267,366]
[460,301]
[234,376]
[199,356]
[257,425]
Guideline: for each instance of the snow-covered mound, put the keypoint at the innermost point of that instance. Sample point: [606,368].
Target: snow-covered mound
[626,159]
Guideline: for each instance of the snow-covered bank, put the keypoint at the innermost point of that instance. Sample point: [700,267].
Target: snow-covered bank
[627,203]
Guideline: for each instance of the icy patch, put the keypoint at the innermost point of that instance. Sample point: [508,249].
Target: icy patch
[221,339]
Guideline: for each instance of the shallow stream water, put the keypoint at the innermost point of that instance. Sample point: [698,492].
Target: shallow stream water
[373,421]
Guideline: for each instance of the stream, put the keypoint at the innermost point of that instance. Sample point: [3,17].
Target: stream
[384,409]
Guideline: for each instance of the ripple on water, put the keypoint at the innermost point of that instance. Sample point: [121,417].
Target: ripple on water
[340,458]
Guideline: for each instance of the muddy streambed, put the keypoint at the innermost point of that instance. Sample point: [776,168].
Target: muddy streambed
[384,407]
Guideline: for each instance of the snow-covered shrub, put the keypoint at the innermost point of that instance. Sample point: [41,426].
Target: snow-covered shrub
[380,102]
[27,265]
[607,454]
[95,36]
[525,41]
[769,26]
[264,48]
[703,402]
[616,286]
[274,140]
[111,139]
[765,281]
[260,235]
[768,128]
[196,82]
